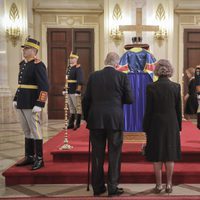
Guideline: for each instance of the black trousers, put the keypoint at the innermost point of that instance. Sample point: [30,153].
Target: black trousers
[98,139]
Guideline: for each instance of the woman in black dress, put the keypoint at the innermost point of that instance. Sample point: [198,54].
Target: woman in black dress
[162,124]
[197,83]
[190,98]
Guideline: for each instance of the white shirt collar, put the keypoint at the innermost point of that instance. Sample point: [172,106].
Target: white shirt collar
[109,66]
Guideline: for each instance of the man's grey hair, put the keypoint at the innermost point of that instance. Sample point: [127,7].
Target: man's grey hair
[112,59]
[163,68]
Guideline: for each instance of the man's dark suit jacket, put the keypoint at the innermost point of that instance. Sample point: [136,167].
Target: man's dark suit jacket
[107,91]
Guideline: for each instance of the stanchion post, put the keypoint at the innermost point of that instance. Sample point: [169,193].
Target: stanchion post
[66,145]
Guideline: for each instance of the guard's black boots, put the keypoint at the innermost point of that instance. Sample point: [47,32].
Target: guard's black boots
[78,121]
[71,121]
[39,155]
[29,153]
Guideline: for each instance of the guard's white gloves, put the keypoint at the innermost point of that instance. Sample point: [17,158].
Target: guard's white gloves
[198,99]
[14,104]
[198,110]
[64,92]
[77,93]
[36,109]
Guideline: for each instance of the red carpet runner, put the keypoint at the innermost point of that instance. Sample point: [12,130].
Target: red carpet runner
[70,166]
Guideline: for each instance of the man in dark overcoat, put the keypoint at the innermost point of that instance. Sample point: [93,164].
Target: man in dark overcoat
[107,91]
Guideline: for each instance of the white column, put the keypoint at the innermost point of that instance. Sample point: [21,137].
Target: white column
[3,54]
[7,113]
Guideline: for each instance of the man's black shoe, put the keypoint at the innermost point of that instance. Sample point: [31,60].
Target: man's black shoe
[117,192]
[103,190]
[71,126]
[76,127]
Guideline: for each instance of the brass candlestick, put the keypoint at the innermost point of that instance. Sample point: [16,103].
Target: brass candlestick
[66,145]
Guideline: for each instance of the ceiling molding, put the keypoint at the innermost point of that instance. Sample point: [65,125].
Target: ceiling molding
[64,10]
[187,11]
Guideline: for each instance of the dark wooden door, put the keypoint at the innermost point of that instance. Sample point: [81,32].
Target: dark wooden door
[60,43]
[83,44]
[191,52]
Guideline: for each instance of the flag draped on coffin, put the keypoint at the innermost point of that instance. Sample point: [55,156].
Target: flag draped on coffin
[139,64]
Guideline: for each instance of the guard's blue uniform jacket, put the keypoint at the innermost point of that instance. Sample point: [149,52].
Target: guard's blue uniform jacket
[32,85]
[75,78]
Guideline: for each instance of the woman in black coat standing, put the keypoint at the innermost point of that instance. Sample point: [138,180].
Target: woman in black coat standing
[162,124]
[191,103]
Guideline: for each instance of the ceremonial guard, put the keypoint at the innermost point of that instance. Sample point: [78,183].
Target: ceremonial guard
[75,83]
[29,100]
[197,81]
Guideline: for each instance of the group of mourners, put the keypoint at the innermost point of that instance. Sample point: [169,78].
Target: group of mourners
[102,106]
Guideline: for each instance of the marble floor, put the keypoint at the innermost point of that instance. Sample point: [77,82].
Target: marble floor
[12,149]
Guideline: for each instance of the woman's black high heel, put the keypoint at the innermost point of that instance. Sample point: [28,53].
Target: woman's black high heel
[158,189]
[168,189]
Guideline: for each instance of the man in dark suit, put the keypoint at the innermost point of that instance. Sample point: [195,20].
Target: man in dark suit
[107,91]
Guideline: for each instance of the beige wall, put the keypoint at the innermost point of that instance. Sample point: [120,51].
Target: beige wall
[38,15]
[69,14]
[14,55]
[98,15]
[9,62]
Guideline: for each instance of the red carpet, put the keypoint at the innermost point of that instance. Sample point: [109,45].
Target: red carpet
[70,166]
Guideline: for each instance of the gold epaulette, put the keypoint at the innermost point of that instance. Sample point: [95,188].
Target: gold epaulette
[43,96]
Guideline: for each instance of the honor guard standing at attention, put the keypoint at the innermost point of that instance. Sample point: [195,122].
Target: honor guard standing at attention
[75,83]
[197,81]
[29,100]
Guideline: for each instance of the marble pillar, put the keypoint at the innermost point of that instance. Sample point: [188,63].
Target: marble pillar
[7,113]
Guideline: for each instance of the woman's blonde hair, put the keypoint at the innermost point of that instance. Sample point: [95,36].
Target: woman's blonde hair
[191,70]
[163,68]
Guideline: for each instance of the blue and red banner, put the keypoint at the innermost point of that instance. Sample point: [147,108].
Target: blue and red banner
[138,60]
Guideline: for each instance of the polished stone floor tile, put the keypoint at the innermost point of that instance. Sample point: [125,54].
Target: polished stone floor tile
[12,149]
